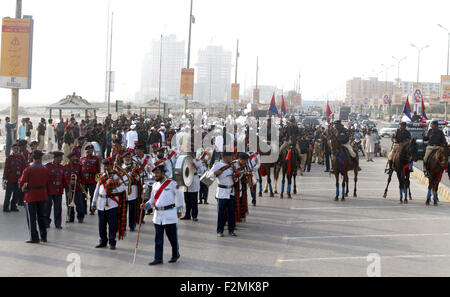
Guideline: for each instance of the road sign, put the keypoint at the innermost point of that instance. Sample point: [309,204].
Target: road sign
[16,56]
[235,91]
[187,81]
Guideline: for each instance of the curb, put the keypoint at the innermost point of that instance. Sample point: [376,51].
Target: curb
[417,174]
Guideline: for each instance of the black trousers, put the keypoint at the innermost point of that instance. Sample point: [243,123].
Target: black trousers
[204,190]
[12,189]
[56,202]
[108,218]
[191,201]
[171,232]
[36,213]
[327,159]
[132,214]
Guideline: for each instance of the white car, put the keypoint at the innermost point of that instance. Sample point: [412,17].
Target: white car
[388,130]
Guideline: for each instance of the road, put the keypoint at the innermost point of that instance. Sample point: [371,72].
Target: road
[309,235]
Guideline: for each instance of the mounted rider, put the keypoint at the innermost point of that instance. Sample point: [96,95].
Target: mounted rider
[292,135]
[436,139]
[400,136]
[343,137]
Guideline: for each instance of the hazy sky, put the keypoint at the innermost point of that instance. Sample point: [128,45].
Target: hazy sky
[329,41]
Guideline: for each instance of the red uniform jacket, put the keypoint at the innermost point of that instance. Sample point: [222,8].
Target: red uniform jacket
[70,169]
[57,180]
[90,167]
[36,176]
[14,166]
[77,150]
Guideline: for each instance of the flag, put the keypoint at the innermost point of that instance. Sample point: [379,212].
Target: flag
[273,107]
[329,113]
[422,111]
[407,109]
[283,107]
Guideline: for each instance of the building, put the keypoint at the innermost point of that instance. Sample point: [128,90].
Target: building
[359,89]
[213,75]
[173,60]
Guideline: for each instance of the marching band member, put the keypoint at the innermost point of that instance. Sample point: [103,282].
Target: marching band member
[90,167]
[129,166]
[254,162]
[168,202]
[161,160]
[55,189]
[34,183]
[223,171]
[118,148]
[108,199]
[146,165]
[74,167]
[191,193]
[204,156]
[14,166]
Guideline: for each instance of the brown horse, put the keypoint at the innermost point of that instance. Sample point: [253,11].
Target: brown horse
[342,163]
[437,164]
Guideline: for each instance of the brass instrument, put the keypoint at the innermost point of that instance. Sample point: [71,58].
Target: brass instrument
[71,197]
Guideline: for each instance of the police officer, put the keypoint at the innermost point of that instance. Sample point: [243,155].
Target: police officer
[223,171]
[435,138]
[55,189]
[343,137]
[400,136]
[14,167]
[168,202]
[106,200]
[90,167]
[191,193]
[74,168]
[34,183]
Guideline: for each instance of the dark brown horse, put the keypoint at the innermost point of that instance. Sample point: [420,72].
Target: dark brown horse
[437,165]
[342,163]
[289,160]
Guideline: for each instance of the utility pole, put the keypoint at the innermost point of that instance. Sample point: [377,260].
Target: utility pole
[160,69]
[235,77]
[398,68]
[110,62]
[14,110]
[191,21]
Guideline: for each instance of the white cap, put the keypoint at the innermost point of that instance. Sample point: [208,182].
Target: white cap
[132,127]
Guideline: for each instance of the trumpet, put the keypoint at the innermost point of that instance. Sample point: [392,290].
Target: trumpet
[71,197]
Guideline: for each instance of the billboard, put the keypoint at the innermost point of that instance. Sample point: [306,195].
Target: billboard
[445,88]
[187,81]
[16,55]
[418,93]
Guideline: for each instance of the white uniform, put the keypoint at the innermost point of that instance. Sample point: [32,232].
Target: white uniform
[170,195]
[134,189]
[195,187]
[225,179]
[50,132]
[99,200]
[254,162]
[132,137]
[146,165]
[168,165]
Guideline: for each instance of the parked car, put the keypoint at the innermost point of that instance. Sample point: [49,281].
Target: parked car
[307,121]
[388,130]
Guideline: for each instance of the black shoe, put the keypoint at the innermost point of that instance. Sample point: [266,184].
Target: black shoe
[155,262]
[6,210]
[80,221]
[205,202]
[435,202]
[359,168]
[132,230]
[327,170]
[112,247]
[100,246]
[185,218]
[32,241]
[14,210]
[426,174]
[59,227]
[44,239]
[21,204]
[232,234]
[201,202]
[174,259]
[219,234]
[195,219]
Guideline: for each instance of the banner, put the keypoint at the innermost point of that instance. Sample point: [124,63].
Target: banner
[16,56]
[398,92]
[235,91]
[417,93]
[445,88]
[187,81]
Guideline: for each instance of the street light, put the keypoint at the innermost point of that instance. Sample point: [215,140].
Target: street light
[419,50]
[398,70]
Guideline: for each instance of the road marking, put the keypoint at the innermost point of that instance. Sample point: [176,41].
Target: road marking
[353,207]
[361,258]
[365,236]
[367,220]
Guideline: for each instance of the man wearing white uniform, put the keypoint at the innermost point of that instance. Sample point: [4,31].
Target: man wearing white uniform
[50,132]
[161,160]
[132,137]
[191,194]
[131,197]
[146,165]
[168,203]
[225,195]
[106,201]
[254,162]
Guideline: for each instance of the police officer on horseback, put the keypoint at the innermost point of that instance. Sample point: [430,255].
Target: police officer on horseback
[343,137]
[400,136]
[435,138]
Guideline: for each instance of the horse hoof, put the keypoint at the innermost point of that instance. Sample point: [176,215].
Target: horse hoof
[336,199]
[271,195]
[385,196]
[260,195]
[427,202]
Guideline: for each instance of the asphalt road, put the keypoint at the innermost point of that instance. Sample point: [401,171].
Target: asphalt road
[309,235]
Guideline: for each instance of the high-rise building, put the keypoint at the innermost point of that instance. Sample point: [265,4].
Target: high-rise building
[359,89]
[213,75]
[173,60]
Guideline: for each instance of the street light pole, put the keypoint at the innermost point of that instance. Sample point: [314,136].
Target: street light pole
[191,20]
[448,63]
[160,70]
[14,110]
[235,76]
[398,68]
[419,50]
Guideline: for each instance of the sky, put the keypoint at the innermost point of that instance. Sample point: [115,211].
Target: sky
[327,41]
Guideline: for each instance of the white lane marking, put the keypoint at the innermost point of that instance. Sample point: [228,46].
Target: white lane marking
[361,258]
[364,236]
[367,220]
[353,207]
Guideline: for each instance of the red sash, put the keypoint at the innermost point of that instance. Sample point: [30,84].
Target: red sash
[171,154]
[163,186]
[161,161]
[253,156]
[145,162]
[203,155]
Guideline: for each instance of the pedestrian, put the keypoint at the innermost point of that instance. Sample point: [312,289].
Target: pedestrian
[68,141]
[55,189]
[50,132]
[60,128]
[108,142]
[72,170]
[34,183]
[9,130]
[15,164]
[22,130]
[168,202]
[370,145]
[41,134]
[132,137]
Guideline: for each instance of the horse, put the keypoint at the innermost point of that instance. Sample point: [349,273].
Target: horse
[406,154]
[264,170]
[437,164]
[289,160]
[342,163]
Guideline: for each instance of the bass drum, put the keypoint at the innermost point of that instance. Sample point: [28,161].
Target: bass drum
[97,150]
[183,172]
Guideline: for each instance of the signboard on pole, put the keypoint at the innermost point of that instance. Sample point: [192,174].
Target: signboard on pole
[235,91]
[16,55]
[418,93]
[445,88]
[187,81]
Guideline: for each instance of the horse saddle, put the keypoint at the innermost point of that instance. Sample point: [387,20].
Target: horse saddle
[347,155]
